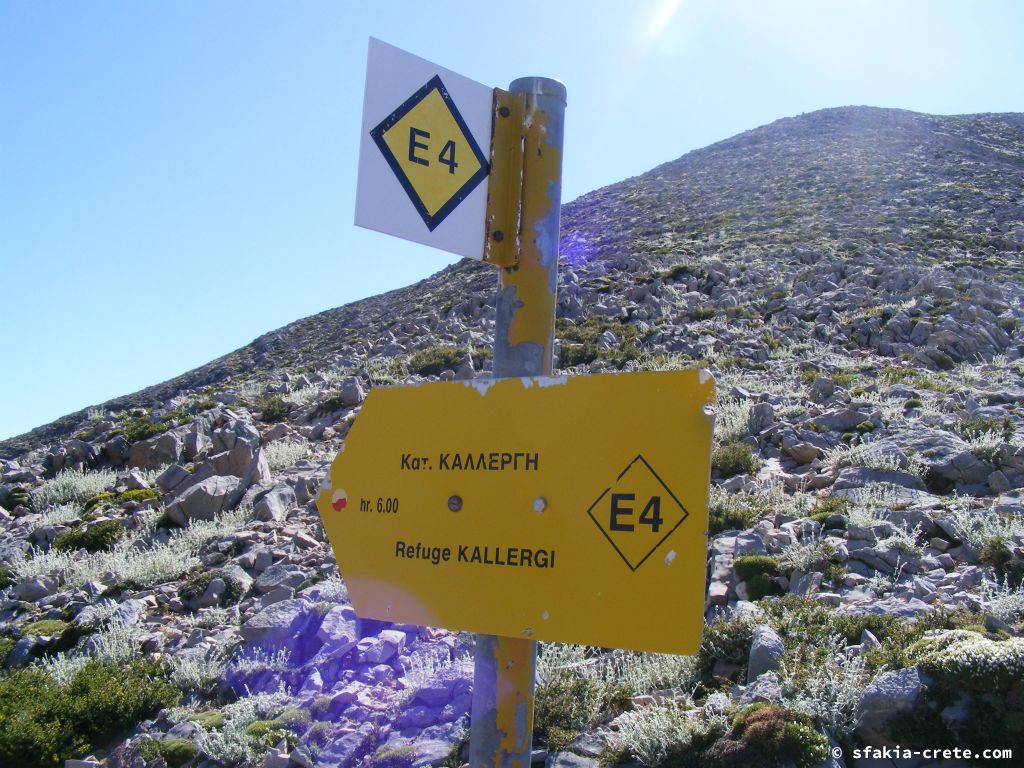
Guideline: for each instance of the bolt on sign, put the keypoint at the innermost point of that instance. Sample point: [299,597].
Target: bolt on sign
[561,509]
[423,163]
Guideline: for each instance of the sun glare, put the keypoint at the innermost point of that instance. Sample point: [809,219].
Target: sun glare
[663,16]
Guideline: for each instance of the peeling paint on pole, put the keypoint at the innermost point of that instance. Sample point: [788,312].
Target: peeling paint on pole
[523,346]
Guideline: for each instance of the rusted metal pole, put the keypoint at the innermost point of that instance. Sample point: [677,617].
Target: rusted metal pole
[503,694]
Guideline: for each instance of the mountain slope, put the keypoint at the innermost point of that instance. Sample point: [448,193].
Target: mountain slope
[866,187]
[852,280]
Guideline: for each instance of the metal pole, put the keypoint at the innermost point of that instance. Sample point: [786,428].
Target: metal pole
[501,734]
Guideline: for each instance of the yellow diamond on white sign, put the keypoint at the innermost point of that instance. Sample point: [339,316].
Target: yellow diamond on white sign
[431,151]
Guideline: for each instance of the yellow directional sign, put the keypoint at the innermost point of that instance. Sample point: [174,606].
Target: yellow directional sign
[563,509]
[432,152]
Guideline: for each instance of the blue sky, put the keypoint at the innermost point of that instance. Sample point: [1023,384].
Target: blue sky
[177,178]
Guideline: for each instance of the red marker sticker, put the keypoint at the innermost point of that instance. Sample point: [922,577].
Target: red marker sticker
[339,500]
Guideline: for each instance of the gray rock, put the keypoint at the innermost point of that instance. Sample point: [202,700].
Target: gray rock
[202,501]
[840,420]
[766,651]
[821,389]
[340,623]
[275,503]
[233,462]
[156,451]
[352,392]
[277,622]
[117,450]
[129,612]
[197,445]
[172,477]
[36,588]
[805,583]
[858,477]
[760,418]
[890,694]
[998,482]
[569,760]
[767,687]
[279,575]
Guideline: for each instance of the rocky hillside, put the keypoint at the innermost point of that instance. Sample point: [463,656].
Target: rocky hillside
[852,278]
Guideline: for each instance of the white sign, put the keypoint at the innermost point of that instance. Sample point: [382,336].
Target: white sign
[423,154]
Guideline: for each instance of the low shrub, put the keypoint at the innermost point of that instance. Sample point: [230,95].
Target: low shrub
[564,706]
[734,459]
[330,405]
[100,537]
[175,752]
[274,408]
[748,566]
[43,723]
[142,428]
[140,494]
[977,427]
[45,628]
[195,586]
[767,735]
[762,585]
[734,511]
[430,361]
[100,499]
[389,756]
[813,555]
[16,497]
[71,486]
[726,639]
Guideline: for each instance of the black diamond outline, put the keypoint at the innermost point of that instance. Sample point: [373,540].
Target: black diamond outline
[590,513]
[432,221]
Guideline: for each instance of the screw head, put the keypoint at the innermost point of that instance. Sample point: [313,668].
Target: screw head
[454,503]
[504,111]
[498,235]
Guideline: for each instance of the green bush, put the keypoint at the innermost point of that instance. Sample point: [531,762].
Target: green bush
[748,566]
[17,497]
[391,757]
[287,725]
[734,511]
[832,505]
[976,427]
[274,408]
[175,752]
[563,708]
[725,639]
[140,494]
[45,628]
[7,644]
[330,405]
[768,735]
[96,538]
[100,499]
[996,553]
[734,459]
[140,428]
[43,724]
[762,585]
[195,586]
[430,361]
[210,720]
[62,634]
[6,576]
[580,341]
